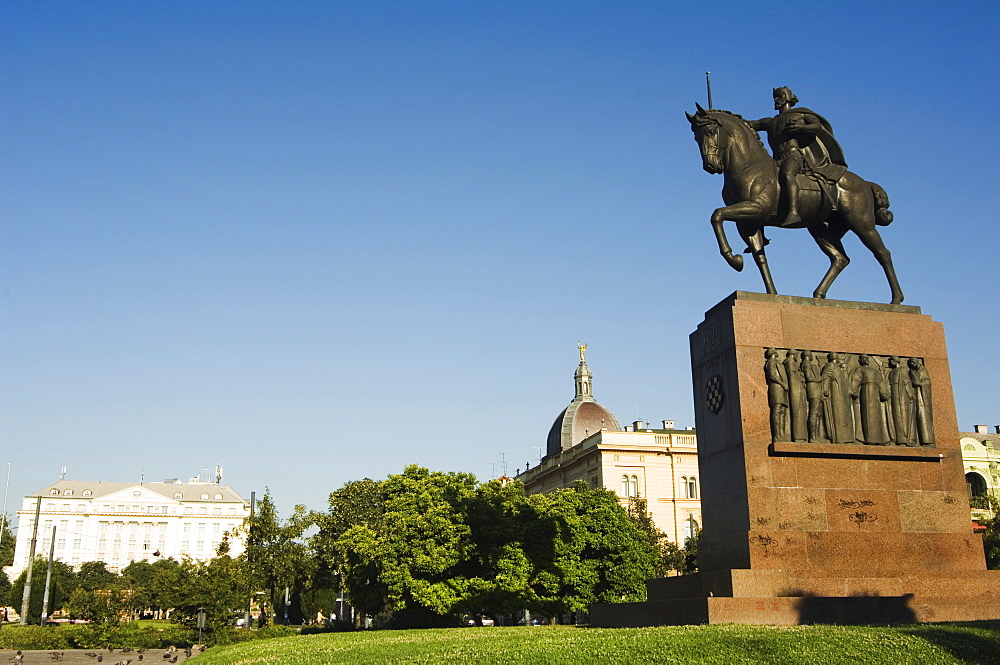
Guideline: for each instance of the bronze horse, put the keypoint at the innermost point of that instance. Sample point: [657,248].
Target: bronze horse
[752,196]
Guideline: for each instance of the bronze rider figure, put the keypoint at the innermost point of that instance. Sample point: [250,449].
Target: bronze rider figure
[801,141]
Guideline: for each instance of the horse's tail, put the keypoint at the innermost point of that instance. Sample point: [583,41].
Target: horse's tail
[883,217]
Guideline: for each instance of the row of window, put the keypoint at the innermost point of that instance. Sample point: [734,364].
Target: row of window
[630,487]
[177,495]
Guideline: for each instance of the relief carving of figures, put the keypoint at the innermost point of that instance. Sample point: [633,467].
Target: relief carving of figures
[777,395]
[837,401]
[798,409]
[816,423]
[869,387]
[921,381]
[903,409]
[848,398]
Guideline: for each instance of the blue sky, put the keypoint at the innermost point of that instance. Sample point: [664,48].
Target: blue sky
[317,241]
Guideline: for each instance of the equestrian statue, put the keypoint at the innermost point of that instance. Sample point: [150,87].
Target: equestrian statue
[805,184]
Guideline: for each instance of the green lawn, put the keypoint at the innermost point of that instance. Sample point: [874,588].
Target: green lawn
[724,645]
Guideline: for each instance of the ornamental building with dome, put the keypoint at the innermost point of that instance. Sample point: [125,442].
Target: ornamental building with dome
[586,442]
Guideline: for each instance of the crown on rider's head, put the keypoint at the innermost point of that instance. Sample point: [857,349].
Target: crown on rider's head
[792,99]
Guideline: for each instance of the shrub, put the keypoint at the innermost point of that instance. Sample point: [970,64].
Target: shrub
[99,636]
[34,638]
[234,635]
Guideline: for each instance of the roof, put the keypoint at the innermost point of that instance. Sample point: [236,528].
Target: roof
[577,421]
[982,438]
[98,489]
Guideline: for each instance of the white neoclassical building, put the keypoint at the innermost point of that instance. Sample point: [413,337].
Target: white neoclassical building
[119,523]
[659,465]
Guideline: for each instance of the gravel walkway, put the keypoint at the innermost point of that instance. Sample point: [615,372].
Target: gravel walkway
[93,656]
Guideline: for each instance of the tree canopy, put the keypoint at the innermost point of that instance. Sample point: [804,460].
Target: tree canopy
[435,544]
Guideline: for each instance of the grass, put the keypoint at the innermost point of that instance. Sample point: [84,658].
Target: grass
[927,644]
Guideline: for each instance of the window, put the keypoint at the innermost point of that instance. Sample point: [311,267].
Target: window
[68,493]
[88,493]
[54,492]
[178,495]
[629,486]
[684,487]
[204,495]
[218,496]
[690,527]
[692,488]
[976,484]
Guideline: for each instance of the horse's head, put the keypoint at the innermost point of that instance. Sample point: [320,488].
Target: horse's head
[708,133]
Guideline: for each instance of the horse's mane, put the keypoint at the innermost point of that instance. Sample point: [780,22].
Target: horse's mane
[744,121]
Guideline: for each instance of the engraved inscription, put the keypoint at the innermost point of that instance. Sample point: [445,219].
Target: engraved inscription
[864,503]
[766,543]
[861,517]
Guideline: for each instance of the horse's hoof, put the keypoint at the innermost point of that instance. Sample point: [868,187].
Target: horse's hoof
[735,261]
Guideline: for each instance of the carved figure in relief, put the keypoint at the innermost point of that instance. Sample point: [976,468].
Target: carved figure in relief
[902,408]
[815,424]
[837,401]
[921,381]
[868,386]
[777,395]
[798,406]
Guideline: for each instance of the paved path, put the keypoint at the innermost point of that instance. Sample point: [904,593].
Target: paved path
[90,657]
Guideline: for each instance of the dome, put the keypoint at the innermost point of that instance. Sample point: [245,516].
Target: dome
[583,417]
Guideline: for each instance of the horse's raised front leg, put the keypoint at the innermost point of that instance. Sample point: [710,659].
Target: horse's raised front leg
[829,240]
[754,238]
[734,260]
[738,212]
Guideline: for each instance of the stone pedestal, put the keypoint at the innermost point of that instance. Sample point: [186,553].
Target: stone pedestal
[799,532]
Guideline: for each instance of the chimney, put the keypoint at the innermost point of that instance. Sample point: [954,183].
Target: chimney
[628,428]
[668,424]
[997,428]
[638,425]
[981,429]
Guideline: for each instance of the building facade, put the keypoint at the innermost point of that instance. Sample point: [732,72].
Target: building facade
[119,523]
[982,468]
[660,465]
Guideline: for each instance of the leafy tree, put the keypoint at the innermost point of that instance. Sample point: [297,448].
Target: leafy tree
[94,575]
[672,557]
[148,585]
[600,554]
[450,546]
[277,555]
[502,565]
[98,596]
[189,587]
[63,584]
[411,564]
[4,590]
[991,537]
[6,542]
[357,502]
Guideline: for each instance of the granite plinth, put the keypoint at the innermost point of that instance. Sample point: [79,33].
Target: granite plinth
[820,532]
